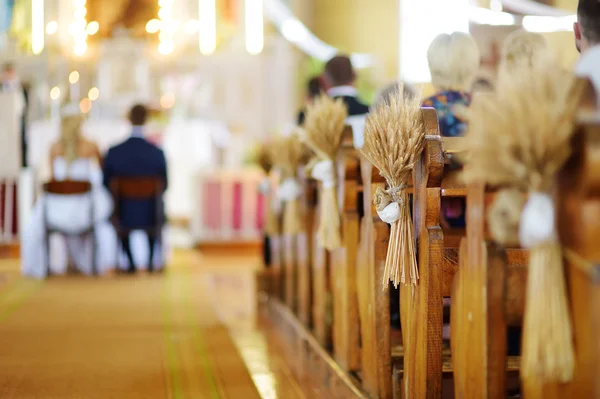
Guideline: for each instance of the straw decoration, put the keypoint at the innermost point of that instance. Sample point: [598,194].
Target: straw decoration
[323,128]
[265,162]
[520,138]
[394,140]
[287,154]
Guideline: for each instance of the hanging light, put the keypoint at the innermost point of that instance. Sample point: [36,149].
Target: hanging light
[92,28]
[208,26]
[94,93]
[37,26]
[74,77]
[254,26]
[55,93]
[51,28]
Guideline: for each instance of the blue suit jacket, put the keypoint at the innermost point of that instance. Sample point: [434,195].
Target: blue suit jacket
[135,157]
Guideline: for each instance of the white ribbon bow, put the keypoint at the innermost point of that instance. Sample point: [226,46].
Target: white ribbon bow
[391,213]
[289,190]
[537,224]
[324,172]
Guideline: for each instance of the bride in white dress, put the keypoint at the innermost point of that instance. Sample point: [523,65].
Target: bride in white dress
[71,158]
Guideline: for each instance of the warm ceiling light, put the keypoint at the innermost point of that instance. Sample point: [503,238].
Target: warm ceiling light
[79,3]
[80,37]
[167,101]
[153,26]
[37,26]
[192,26]
[164,36]
[80,12]
[166,47]
[85,105]
[80,48]
[74,77]
[51,28]
[92,28]
[208,26]
[165,3]
[165,13]
[94,93]
[254,26]
[55,93]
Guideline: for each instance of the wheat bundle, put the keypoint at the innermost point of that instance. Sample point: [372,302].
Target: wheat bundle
[287,154]
[520,138]
[394,140]
[323,130]
[265,161]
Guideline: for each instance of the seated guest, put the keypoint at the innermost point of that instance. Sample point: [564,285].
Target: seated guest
[391,90]
[587,27]
[72,157]
[314,90]
[137,157]
[453,62]
[340,78]
[523,49]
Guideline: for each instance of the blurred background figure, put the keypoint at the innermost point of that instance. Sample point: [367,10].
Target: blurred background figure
[314,89]
[587,27]
[340,79]
[454,61]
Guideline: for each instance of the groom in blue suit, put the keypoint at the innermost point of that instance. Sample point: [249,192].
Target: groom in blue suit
[136,157]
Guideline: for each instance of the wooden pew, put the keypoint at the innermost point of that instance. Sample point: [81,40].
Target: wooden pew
[421,307]
[309,353]
[346,335]
[479,322]
[373,302]
[488,296]
[579,229]
[304,250]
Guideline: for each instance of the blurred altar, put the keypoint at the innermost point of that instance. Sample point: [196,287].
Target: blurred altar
[183,59]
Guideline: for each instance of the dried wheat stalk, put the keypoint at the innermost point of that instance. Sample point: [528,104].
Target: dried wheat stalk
[394,141]
[323,130]
[265,161]
[520,138]
[287,154]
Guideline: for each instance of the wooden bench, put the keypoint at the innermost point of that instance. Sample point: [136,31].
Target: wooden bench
[346,335]
[479,323]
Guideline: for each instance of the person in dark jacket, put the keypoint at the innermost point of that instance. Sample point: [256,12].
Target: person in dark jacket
[314,90]
[340,78]
[136,157]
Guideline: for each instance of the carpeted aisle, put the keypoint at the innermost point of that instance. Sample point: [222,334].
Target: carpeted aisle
[148,336]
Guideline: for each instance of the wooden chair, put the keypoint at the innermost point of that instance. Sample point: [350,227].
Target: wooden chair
[139,188]
[66,188]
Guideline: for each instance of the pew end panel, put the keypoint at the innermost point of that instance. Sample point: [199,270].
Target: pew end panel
[346,333]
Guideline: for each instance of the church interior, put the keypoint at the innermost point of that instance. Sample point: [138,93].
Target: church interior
[296,199]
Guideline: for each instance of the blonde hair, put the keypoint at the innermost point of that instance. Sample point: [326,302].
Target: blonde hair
[453,61]
[524,49]
[70,134]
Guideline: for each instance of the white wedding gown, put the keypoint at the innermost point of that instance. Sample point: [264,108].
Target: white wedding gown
[72,214]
